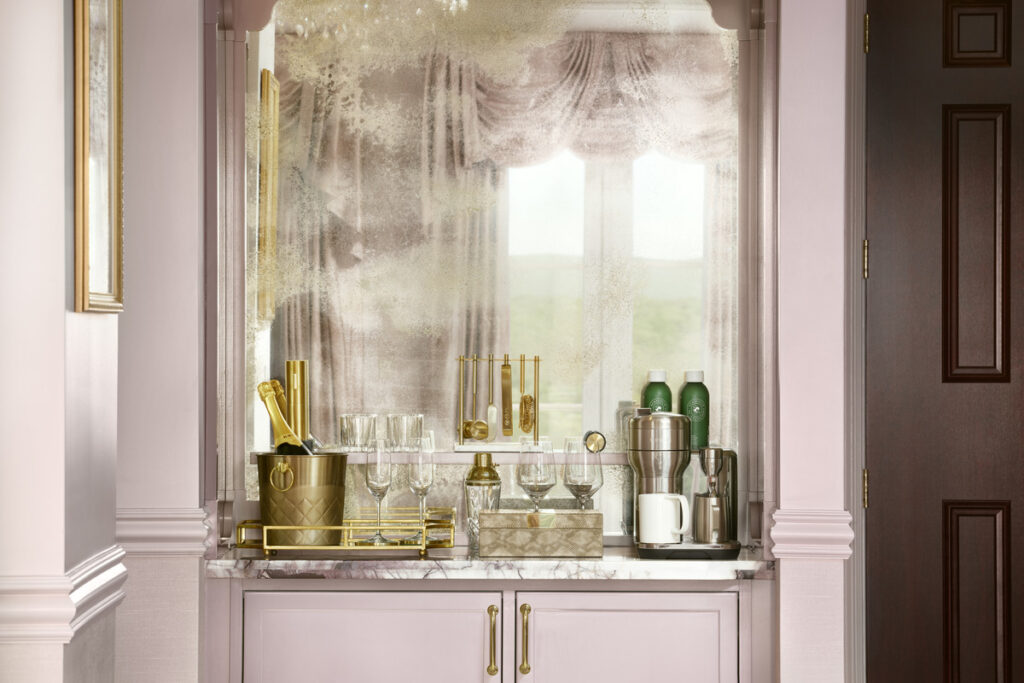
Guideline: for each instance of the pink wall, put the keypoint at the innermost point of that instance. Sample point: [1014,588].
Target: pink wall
[811,533]
[161,429]
[160,422]
[812,222]
[59,406]
[34,234]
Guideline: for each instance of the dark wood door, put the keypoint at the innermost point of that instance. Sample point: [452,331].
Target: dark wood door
[945,309]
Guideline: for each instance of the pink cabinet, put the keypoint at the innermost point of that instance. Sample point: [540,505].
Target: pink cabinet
[691,637]
[385,637]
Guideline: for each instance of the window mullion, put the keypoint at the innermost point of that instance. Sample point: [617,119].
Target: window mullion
[607,295]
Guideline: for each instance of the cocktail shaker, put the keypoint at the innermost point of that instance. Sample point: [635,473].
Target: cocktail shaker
[483,492]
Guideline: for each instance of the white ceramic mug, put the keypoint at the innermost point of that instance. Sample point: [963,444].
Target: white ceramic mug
[664,517]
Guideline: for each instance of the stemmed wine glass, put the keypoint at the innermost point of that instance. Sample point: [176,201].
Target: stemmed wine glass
[421,478]
[378,481]
[536,469]
[582,474]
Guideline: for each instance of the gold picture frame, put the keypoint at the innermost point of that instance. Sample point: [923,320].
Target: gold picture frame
[99,282]
[270,98]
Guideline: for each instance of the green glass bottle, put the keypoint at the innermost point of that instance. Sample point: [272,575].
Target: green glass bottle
[694,404]
[657,396]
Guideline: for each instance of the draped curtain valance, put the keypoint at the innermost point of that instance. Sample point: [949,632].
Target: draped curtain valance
[601,95]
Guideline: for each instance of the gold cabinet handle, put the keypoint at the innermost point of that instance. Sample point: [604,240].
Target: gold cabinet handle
[524,668]
[492,668]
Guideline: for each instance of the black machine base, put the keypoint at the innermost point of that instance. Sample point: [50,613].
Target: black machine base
[689,551]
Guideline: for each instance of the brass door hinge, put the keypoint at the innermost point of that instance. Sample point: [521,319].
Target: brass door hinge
[864,487]
[867,33]
[864,259]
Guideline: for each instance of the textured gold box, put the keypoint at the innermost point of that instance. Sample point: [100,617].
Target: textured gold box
[549,533]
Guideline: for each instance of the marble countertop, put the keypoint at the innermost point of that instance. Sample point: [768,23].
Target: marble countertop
[618,563]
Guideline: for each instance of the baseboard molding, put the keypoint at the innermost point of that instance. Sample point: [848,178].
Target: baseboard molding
[51,609]
[813,534]
[163,531]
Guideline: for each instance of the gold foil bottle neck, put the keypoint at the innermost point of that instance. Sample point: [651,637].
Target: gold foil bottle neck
[283,432]
[282,402]
[483,471]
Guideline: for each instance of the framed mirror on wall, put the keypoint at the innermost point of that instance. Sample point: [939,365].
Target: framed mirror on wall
[99,282]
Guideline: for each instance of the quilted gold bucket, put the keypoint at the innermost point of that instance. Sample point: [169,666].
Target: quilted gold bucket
[302,490]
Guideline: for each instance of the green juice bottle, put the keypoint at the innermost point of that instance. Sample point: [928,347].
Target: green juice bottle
[657,396]
[693,403]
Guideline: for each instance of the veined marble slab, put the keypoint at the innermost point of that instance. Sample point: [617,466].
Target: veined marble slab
[618,563]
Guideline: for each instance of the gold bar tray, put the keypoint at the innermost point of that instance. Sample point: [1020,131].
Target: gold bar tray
[437,530]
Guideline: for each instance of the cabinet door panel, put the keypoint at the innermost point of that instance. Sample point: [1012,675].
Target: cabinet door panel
[382,637]
[690,637]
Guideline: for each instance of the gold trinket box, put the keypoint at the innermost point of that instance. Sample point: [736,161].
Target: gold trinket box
[548,533]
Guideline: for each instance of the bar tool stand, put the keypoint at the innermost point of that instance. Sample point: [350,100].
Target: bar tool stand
[529,416]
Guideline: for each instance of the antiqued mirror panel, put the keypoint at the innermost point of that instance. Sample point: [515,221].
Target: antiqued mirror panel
[457,178]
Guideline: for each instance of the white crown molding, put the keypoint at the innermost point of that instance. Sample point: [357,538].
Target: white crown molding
[51,609]
[163,531]
[813,534]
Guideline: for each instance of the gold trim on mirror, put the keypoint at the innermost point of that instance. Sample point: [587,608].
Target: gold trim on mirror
[270,97]
[98,245]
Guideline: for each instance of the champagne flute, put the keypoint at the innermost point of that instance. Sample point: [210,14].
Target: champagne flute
[582,474]
[421,478]
[536,470]
[378,481]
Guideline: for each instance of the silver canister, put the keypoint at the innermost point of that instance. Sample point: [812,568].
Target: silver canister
[658,452]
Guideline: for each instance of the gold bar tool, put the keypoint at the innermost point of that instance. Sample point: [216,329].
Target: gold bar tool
[525,400]
[536,399]
[506,397]
[459,428]
[477,428]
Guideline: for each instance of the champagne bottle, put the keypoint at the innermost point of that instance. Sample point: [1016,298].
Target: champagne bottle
[285,440]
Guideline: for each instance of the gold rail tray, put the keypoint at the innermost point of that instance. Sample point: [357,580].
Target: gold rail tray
[437,530]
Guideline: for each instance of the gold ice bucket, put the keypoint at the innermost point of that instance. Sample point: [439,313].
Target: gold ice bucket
[302,490]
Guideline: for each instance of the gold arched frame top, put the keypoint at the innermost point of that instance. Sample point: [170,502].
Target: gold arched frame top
[99,282]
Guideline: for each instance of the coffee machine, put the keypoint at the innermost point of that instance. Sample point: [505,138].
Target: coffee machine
[659,454]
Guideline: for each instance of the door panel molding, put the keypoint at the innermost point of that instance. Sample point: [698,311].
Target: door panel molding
[967,564]
[976,35]
[975,243]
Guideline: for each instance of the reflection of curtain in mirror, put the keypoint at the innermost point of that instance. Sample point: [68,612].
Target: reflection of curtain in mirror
[461,224]
[721,306]
[389,250]
[318,232]
[435,226]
